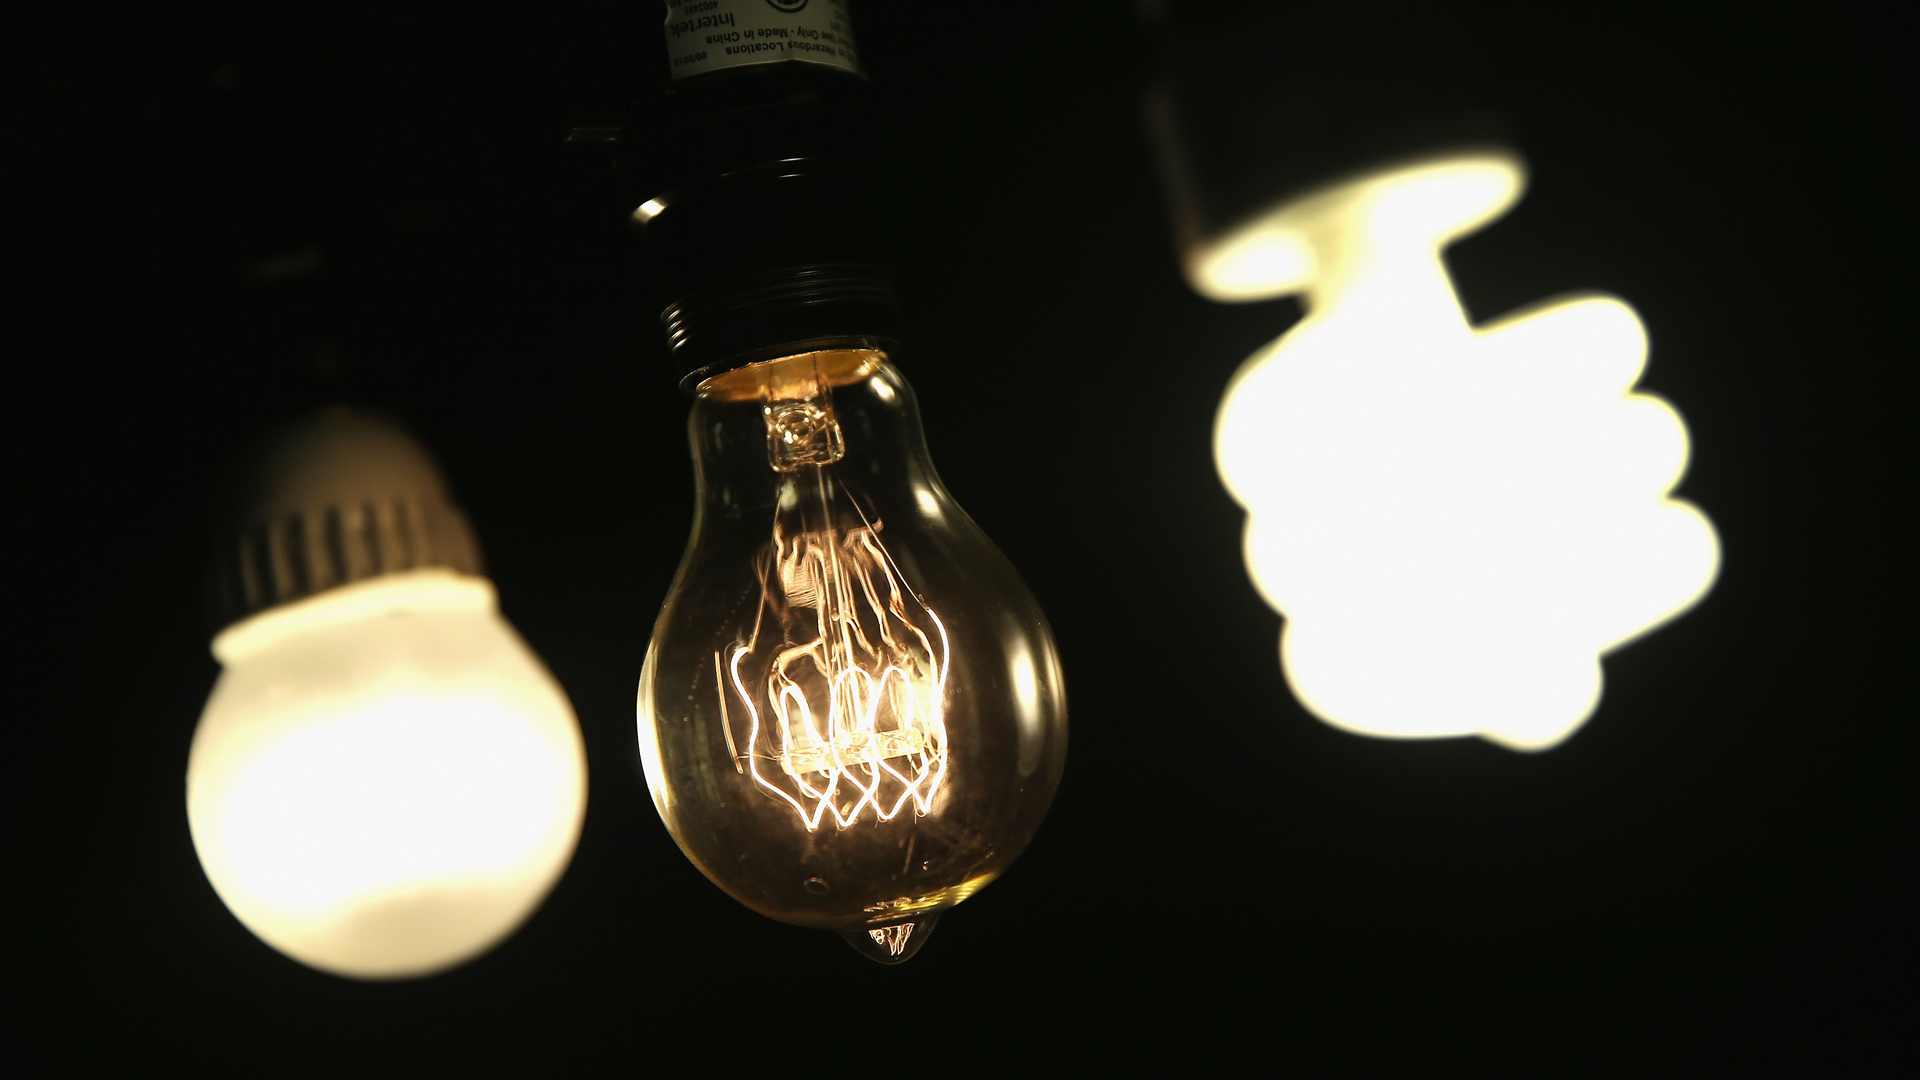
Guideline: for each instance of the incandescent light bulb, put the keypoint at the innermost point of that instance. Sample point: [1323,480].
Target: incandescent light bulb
[851,715]
[386,781]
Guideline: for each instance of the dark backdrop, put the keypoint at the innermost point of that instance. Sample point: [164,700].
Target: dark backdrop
[1701,871]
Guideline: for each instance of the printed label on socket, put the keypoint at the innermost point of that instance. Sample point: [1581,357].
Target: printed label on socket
[712,35]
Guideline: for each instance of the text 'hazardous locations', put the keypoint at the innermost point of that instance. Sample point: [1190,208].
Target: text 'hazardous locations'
[713,35]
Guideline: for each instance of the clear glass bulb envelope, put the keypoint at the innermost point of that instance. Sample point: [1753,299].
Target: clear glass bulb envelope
[851,715]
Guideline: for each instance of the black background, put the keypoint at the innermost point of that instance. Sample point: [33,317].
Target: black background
[1702,874]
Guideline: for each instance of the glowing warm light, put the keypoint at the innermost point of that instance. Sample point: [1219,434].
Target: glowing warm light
[853,689]
[386,781]
[851,715]
[648,210]
[1456,521]
[852,686]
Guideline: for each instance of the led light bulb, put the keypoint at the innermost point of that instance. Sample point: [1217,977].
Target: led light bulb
[1456,521]
[851,715]
[386,781]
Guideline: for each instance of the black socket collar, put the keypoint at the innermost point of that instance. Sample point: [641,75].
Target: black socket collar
[762,214]
[772,313]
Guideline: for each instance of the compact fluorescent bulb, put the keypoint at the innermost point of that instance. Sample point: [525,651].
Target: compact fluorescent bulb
[1456,521]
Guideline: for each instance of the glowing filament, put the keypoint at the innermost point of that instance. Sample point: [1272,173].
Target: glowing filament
[840,680]
[852,692]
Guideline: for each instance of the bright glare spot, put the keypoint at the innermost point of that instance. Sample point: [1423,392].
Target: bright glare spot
[929,502]
[1456,522]
[1281,252]
[407,791]
[1026,684]
[1268,260]
[386,781]
[1024,673]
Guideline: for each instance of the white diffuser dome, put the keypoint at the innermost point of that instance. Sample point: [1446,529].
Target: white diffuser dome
[386,781]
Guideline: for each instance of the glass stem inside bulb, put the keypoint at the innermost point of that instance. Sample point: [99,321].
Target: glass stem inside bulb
[841,682]
[801,429]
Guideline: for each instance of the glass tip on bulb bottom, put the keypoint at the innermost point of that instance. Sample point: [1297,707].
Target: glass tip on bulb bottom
[895,943]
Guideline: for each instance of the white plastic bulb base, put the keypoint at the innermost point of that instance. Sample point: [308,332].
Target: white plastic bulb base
[386,781]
